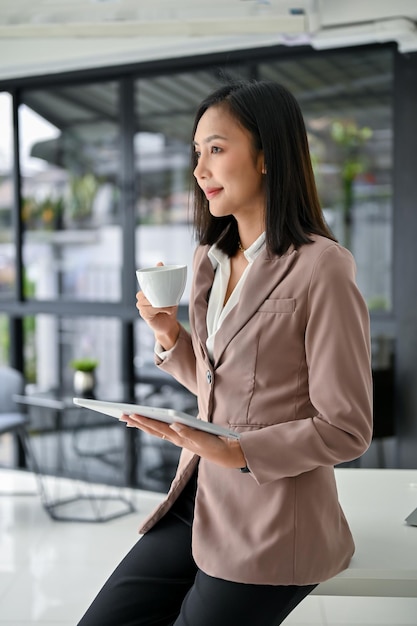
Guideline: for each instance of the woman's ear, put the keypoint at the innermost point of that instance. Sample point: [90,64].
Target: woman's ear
[261,162]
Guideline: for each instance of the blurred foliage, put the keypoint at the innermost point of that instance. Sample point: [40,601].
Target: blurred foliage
[29,333]
[84,365]
[378,303]
[82,191]
[350,140]
[46,214]
[4,340]
[54,212]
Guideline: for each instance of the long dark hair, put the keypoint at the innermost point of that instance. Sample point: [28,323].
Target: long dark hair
[293,212]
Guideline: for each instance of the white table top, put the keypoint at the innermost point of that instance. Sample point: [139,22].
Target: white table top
[376,503]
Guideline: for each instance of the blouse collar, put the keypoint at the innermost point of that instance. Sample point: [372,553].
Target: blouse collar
[218,257]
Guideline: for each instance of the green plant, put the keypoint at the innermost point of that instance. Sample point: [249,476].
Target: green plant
[84,365]
[4,340]
[378,303]
[82,191]
[45,214]
[350,139]
[29,332]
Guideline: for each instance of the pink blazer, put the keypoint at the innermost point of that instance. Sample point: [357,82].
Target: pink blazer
[291,372]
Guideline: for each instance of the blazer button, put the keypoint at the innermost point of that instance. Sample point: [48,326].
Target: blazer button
[209,377]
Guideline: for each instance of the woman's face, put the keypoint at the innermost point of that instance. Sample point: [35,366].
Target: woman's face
[229,170]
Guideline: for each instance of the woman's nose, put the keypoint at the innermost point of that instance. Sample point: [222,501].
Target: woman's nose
[200,169]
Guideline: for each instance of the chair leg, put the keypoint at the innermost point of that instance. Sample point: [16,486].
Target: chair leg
[33,466]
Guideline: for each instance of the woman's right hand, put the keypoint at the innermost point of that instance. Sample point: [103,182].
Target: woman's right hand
[163,321]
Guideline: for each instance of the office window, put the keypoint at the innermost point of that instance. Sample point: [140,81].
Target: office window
[70,156]
[76,242]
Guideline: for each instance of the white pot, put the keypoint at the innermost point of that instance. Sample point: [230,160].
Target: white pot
[83,382]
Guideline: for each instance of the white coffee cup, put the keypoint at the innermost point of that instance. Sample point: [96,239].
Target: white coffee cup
[163,285]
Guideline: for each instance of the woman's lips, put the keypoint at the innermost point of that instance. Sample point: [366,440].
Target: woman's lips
[211,193]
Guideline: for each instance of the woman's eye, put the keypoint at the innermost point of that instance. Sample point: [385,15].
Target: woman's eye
[197,154]
[215,149]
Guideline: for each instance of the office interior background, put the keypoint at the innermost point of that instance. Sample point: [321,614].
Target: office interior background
[96,106]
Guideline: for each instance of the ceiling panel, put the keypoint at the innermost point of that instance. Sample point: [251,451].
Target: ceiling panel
[50,36]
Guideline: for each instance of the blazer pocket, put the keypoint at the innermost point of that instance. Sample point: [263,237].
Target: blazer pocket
[277,305]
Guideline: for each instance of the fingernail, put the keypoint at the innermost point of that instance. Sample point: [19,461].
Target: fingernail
[177,427]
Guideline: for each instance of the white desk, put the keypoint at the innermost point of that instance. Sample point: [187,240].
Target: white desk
[376,503]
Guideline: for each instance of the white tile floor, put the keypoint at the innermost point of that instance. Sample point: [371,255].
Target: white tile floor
[50,571]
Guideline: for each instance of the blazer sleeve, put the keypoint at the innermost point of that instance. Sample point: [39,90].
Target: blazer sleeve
[180,361]
[337,352]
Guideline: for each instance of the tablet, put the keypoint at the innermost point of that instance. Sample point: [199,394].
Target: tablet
[169,416]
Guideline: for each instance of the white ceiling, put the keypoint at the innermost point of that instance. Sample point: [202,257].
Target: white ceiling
[39,37]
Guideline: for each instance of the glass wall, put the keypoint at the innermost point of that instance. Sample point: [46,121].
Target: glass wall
[105,186]
[70,154]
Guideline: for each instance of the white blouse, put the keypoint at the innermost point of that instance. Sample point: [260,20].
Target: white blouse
[216,312]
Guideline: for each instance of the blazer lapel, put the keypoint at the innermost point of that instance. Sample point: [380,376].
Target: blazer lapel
[200,296]
[262,279]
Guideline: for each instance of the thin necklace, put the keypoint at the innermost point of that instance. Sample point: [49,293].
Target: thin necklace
[241,248]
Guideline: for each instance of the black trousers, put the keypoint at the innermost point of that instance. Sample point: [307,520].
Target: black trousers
[159,584]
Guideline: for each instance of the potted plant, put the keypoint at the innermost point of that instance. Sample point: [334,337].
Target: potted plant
[84,375]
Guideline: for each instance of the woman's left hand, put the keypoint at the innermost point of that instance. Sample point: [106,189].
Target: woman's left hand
[220,450]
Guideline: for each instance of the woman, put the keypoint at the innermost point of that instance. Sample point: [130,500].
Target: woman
[279,351]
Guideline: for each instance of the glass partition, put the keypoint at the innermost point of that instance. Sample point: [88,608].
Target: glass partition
[77,243]
[70,155]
